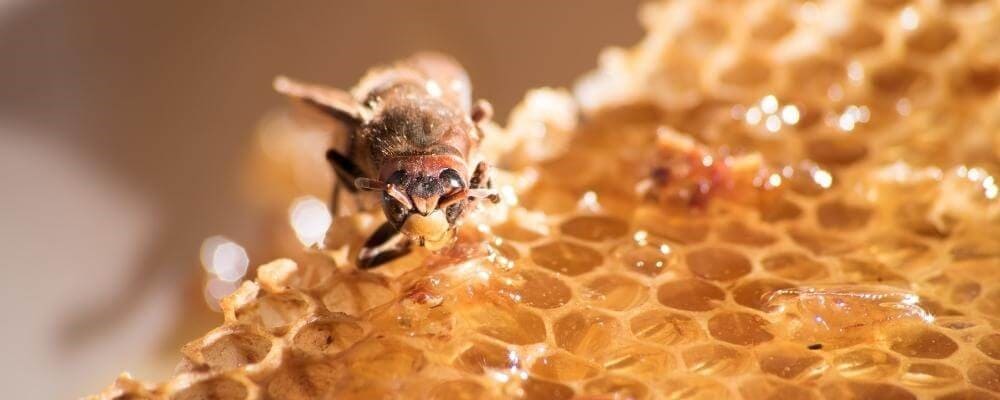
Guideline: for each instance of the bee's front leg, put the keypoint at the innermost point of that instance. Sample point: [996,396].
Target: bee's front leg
[384,245]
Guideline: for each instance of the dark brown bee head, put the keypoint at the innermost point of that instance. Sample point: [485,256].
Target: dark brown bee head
[423,196]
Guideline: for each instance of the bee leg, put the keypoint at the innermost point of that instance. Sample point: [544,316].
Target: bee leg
[347,171]
[335,199]
[481,112]
[384,245]
[479,176]
[481,180]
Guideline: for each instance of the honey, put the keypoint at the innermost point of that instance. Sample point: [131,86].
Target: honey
[837,235]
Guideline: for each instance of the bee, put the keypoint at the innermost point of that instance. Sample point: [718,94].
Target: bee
[412,136]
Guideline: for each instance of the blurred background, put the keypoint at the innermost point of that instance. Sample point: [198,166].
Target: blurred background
[124,129]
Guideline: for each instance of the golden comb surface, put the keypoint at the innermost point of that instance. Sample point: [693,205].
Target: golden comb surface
[816,218]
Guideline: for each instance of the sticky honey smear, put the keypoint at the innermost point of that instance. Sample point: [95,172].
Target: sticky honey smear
[764,200]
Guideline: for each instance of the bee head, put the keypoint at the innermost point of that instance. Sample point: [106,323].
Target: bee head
[424,205]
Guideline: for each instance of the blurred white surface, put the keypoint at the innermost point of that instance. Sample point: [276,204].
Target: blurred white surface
[68,235]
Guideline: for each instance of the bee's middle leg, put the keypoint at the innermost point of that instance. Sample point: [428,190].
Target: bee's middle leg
[481,180]
[384,245]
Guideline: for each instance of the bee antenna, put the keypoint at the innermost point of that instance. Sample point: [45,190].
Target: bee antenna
[369,184]
[484,193]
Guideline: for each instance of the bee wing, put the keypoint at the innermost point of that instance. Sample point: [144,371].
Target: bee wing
[445,77]
[334,102]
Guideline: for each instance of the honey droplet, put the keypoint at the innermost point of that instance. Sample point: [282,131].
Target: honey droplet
[649,256]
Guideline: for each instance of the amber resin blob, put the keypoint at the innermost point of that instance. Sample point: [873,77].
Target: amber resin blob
[762,200]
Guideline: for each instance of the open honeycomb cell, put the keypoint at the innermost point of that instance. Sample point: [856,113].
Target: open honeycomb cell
[761,200]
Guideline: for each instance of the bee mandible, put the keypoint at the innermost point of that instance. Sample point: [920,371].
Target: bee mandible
[413,133]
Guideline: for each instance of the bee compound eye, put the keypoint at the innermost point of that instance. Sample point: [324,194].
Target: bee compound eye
[452,179]
[396,177]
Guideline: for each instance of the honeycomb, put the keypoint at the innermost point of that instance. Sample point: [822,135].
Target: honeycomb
[762,200]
